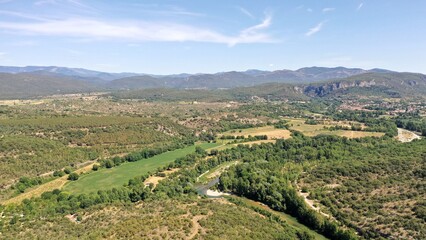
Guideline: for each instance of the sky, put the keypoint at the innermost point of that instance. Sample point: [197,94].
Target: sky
[201,36]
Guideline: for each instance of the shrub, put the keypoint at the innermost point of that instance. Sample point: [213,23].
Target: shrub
[67,170]
[73,176]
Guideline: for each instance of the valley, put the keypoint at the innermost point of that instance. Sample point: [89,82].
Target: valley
[208,120]
[136,153]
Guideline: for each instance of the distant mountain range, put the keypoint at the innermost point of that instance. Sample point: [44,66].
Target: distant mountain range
[80,73]
[32,81]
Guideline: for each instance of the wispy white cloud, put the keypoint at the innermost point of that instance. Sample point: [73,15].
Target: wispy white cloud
[246,12]
[2,54]
[315,29]
[360,6]
[43,2]
[22,15]
[76,4]
[309,10]
[324,10]
[165,10]
[138,31]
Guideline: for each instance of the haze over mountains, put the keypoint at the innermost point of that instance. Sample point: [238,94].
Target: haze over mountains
[32,81]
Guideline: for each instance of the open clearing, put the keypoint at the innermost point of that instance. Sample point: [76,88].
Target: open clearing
[317,129]
[118,176]
[406,136]
[270,131]
[154,179]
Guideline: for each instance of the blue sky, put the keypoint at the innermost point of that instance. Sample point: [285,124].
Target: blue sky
[163,37]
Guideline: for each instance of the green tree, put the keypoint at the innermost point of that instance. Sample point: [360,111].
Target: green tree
[73,176]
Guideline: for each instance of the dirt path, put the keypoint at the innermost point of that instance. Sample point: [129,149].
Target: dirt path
[196,227]
[406,136]
[310,202]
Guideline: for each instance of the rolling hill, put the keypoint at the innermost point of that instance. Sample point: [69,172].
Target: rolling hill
[390,84]
[65,71]
[24,85]
[282,84]
[239,79]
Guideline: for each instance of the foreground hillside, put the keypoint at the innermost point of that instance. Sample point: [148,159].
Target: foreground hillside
[159,219]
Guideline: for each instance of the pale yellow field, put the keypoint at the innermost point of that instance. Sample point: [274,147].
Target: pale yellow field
[36,192]
[270,131]
[314,130]
[49,186]
[22,102]
[258,142]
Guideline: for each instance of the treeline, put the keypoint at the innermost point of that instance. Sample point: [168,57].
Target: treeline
[276,192]
[412,124]
[372,120]
[143,154]
[243,138]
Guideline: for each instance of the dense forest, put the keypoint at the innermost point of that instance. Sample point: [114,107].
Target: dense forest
[268,175]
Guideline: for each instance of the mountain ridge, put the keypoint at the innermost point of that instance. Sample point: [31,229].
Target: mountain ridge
[309,81]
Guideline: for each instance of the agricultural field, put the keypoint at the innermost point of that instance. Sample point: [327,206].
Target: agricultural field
[322,128]
[118,176]
[270,131]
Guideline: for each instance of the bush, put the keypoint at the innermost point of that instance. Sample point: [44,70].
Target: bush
[95,167]
[58,173]
[67,170]
[73,176]
[109,163]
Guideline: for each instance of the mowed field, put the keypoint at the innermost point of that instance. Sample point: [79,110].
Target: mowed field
[270,131]
[314,130]
[118,176]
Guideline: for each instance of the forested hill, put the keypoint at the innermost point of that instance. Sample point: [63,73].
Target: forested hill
[284,84]
[390,84]
[24,85]
[235,79]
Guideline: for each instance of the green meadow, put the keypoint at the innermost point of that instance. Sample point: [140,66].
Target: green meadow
[118,176]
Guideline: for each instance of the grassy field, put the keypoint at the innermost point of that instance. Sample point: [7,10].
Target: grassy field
[118,176]
[314,130]
[270,131]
